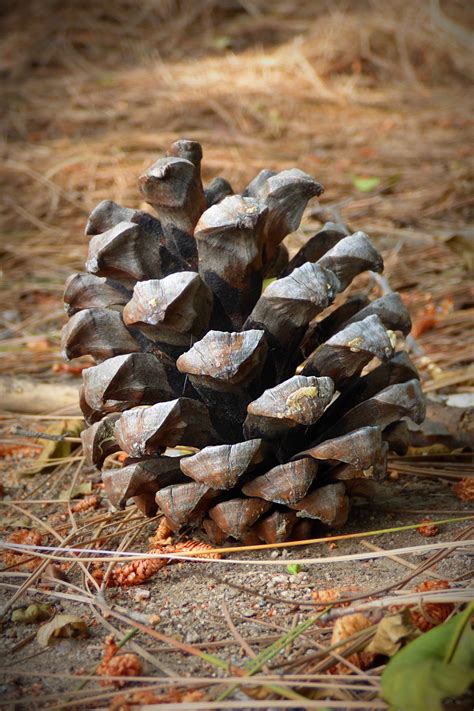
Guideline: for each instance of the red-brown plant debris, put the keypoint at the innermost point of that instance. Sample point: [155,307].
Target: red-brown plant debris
[323,597]
[136,572]
[86,504]
[139,571]
[114,664]
[126,702]
[18,451]
[344,628]
[21,560]
[464,489]
[70,369]
[423,324]
[163,535]
[38,345]
[430,614]
[184,547]
[430,316]
[427,529]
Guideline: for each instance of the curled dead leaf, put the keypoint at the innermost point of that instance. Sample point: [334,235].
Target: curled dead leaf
[392,631]
[61,626]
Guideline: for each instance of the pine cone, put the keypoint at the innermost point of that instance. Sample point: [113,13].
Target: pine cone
[191,351]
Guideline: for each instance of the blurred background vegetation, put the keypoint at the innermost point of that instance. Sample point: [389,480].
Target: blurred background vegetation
[371,97]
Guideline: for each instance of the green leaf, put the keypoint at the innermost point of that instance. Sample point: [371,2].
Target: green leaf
[418,677]
[267,282]
[365,184]
[294,568]
[221,42]
[107,80]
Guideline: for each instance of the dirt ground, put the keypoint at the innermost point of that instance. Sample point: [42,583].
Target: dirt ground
[349,92]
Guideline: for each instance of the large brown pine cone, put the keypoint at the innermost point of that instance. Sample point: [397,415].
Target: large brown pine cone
[192,351]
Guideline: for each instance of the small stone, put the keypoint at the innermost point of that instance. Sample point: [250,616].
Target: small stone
[192,637]
[280,579]
[139,594]
[247,612]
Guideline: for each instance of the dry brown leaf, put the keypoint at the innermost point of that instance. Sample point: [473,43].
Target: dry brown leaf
[390,634]
[61,626]
[346,627]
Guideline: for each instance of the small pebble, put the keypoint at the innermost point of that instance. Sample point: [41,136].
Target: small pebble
[139,594]
[279,579]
